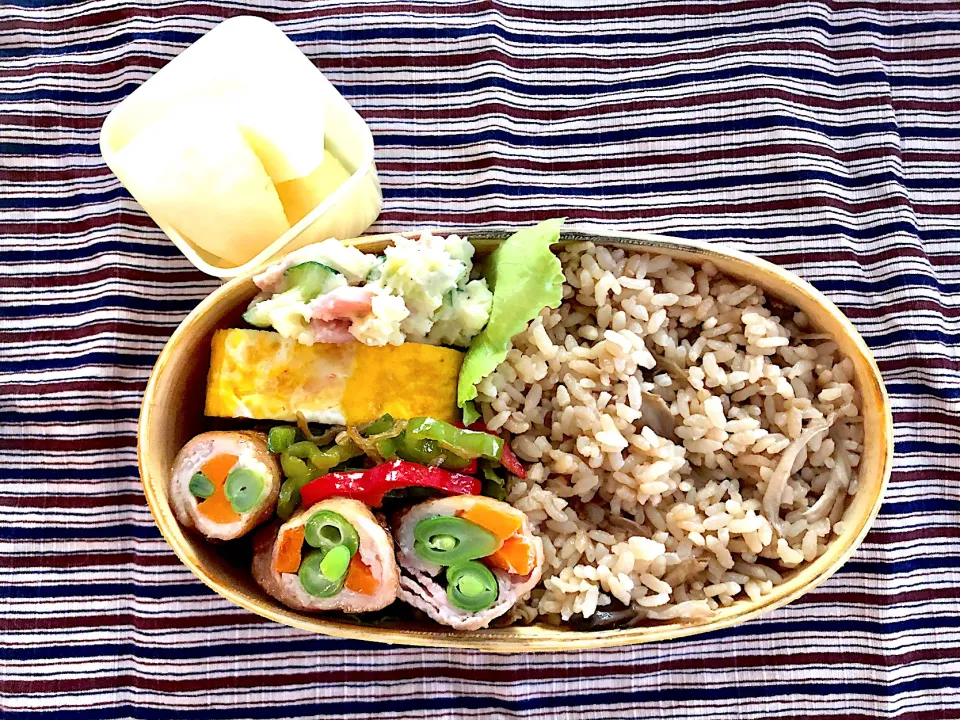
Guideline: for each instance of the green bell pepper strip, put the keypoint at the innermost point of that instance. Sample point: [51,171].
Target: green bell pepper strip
[381,425]
[327,529]
[289,498]
[389,447]
[467,444]
[471,587]
[508,460]
[451,541]
[327,459]
[305,450]
[426,452]
[385,446]
[292,459]
[281,437]
[299,473]
[312,577]
[292,466]
[419,450]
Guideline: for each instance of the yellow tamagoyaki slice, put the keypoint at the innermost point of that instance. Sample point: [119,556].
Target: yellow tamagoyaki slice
[261,375]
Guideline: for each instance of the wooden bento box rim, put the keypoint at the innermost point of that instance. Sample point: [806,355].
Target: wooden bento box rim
[877,460]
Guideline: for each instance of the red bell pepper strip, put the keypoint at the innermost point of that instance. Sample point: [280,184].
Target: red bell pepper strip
[369,486]
[511,463]
[507,459]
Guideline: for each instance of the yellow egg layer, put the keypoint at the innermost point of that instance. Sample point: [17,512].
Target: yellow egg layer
[261,375]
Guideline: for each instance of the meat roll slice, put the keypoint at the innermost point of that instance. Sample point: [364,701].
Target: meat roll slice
[466,560]
[223,484]
[331,556]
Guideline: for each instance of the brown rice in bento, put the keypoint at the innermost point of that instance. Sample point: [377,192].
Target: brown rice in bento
[692,441]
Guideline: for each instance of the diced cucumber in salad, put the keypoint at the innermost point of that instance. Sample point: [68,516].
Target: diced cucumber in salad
[287,310]
[312,279]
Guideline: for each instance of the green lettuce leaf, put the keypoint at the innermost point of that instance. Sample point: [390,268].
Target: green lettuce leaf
[470,413]
[525,277]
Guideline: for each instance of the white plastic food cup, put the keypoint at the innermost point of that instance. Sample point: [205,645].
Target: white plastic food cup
[218,61]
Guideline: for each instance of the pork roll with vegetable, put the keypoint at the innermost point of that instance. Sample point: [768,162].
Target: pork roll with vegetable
[224,484]
[331,556]
[466,560]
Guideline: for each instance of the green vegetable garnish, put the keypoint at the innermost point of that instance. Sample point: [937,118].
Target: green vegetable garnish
[312,578]
[289,498]
[280,438]
[243,489]
[304,450]
[470,412]
[525,277]
[417,440]
[292,458]
[389,447]
[467,444]
[424,452]
[335,455]
[493,484]
[471,587]
[380,425]
[385,437]
[201,486]
[298,473]
[292,466]
[327,530]
[452,540]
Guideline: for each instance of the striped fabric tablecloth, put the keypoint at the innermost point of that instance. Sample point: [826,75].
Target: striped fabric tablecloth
[823,135]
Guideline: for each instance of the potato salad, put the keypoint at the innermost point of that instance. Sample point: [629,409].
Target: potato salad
[419,290]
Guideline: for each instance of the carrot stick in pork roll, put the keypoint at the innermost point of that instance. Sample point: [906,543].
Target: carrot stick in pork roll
[331,556]
[466,560]
[223,484]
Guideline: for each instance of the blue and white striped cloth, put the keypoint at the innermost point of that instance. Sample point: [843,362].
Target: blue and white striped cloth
[823,135]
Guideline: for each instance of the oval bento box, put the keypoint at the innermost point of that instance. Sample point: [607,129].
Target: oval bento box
[172,413]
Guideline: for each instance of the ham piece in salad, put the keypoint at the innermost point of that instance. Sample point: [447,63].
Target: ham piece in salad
[418,290]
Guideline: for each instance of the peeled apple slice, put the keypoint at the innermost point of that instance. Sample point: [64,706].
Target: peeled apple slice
[193,170]
[302,195]
[284,128]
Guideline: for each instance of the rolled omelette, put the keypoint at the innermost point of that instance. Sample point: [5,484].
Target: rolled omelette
[334,555]
[466,560]
[223,484]
[261,375]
